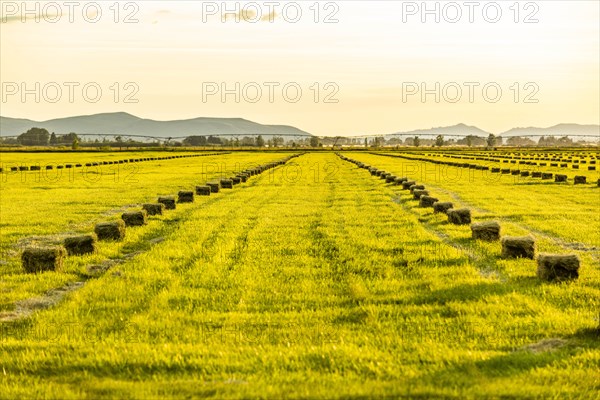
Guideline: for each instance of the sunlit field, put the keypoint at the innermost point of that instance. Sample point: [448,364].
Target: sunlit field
[311,279]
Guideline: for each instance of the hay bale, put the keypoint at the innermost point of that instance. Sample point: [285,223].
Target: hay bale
[243,177]
[546,175]
[40,259]
[407,184]
[461,216]
[390,179]
[168,201]
[518,246]
[487,230]
[536,174]
[236,180]
[505,171]
[154,209]
[185,196]
[515,172]
[591,168]
[525,173]
[417,193]
[400,181]
[558,267]
[442,207]
[110,230]
[427,201]
[79,245]
[416,187]
[134,218]
[560,178]
[214,186]
[580,180]
[495,170]
[203,190]
[226,183]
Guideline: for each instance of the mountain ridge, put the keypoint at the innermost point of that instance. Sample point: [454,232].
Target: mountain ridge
[123,123]
[127,124]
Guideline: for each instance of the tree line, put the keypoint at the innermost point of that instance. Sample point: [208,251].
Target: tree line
[41,137]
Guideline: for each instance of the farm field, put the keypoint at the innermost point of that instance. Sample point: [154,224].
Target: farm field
[313,279]
[38,206]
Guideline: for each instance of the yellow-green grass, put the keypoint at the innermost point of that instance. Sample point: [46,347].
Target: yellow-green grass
[35,209]
[567,212]
[330,284]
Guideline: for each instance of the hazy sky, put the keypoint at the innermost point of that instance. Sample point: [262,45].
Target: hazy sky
[361,72]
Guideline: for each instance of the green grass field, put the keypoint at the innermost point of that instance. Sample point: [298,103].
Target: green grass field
[311,280]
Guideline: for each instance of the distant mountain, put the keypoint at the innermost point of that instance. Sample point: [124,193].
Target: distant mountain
[556,130]
[458,130]
[127,124]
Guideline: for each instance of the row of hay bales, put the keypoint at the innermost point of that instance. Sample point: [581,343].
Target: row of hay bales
[40,259]
[577,180]
[24,168]
[558,162]
[517,157]
[550,267]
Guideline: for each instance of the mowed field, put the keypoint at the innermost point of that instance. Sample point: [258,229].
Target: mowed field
[313,279]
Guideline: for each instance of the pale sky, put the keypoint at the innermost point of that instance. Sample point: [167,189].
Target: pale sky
[375,58]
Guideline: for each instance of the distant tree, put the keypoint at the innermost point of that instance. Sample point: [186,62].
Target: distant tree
[260,142]
[366,143]
[194,141]
[68,138]
[75,144]
[34,137]
[491,140]
[378,142]
[565,141]
[416,141]
[214,140]
[314,141]
[236,142]
[53,138]
[248,141]
[439,141]
[519,141]
[471,141]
